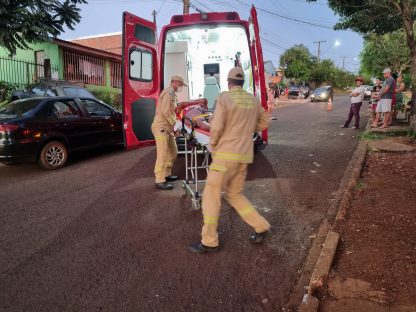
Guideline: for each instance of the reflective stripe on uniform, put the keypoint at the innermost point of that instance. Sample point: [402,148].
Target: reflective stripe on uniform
[246,211]
[160,138]
[242,99]
[230,156]
[210,220]
[172,120]
[158,168]
[217,167]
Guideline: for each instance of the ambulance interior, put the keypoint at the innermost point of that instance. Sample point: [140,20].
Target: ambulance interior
[204,55]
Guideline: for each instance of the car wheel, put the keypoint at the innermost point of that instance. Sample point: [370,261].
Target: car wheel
[53,156]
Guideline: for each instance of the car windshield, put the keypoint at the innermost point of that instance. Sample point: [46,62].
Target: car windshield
[320,90]
[77,92]
[18,108]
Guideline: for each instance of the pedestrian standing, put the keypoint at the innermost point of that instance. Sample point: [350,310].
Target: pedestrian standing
[385,98]
[373,101]
[400,86]
[163,131]
[357,96]
[237,115]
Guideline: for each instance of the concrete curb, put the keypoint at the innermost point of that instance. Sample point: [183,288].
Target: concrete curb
[310,303]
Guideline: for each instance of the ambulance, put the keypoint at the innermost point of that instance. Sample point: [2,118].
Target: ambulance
[202,47]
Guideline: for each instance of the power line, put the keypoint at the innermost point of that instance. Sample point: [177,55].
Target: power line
[286,17]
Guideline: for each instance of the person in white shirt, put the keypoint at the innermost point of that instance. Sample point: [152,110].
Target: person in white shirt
[357,96]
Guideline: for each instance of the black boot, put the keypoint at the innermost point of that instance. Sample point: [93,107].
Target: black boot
[257,238]
[199,248]
[164,186]
[171,178]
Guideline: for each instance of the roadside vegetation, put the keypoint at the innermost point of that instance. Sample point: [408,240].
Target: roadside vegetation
[301,66]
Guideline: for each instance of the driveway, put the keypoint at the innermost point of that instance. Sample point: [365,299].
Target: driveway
[97,236]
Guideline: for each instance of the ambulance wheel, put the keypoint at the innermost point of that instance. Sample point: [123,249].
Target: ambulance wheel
[196,203]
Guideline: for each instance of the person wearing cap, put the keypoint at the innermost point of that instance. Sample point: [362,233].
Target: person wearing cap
[236,116]
[385,97]
[163,131]
[357,96]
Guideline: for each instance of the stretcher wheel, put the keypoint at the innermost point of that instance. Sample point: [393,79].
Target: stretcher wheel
[196,203]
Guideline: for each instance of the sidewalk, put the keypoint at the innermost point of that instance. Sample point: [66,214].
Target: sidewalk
[374,267]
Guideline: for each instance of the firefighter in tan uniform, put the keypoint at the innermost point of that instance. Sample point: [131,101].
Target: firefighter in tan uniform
[163,131]
[237,115]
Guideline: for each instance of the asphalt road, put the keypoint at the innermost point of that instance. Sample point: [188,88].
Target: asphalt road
[97,236]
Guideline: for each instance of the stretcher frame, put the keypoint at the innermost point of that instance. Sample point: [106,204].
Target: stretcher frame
[192,183]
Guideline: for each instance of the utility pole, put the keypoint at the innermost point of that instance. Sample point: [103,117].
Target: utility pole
[343,61]
[186,5]
[355,68]
[319,47]
[154,16]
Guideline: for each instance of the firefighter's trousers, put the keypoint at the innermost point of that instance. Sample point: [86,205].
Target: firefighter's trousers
[166,151]
[230,177]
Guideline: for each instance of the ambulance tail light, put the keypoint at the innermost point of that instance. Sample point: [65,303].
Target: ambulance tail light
[231,16]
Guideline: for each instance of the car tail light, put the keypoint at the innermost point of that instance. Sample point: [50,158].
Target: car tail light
[8,128]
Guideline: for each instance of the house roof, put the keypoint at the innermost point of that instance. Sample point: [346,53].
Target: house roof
[80,48]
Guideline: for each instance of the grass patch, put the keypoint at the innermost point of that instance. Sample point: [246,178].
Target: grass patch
[361,186]
[373,136]
[412,134]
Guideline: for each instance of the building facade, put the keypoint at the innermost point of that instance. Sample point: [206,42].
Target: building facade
[60,59]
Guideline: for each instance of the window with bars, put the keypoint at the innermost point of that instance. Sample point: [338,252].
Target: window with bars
[115,74]
[82,67]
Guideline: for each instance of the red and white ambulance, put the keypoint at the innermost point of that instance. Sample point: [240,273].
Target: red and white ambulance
[197,46]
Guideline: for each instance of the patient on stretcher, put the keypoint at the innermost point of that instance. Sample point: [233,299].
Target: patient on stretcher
[195,112]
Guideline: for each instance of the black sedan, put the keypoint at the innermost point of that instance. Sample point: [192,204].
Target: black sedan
[46,129]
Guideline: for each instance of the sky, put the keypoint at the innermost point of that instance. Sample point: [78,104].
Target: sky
[283,23]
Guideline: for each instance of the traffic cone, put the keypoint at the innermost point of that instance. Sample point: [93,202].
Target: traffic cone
[329,106]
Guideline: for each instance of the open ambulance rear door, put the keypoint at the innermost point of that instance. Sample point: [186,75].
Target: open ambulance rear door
[258,63]
[140,79]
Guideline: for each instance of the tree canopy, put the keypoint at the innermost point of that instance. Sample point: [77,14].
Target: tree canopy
[301,66]
[29,21]
[385,50]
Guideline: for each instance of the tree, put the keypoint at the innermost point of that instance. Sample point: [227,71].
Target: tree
[385,50]
[322,72]
[29,21]
[297,62]
[380,17]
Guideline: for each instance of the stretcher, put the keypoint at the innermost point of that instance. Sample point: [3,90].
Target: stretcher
[197,157]
[193,144]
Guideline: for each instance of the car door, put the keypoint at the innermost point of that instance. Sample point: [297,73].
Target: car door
[107,127]
[67,122]
[140,79]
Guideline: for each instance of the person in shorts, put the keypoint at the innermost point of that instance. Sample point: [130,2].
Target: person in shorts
[373,101]
[385,98]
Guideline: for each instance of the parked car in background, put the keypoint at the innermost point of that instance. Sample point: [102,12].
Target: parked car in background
[298,91]
[53,88]
[367,92]
[322,94]
[46,129]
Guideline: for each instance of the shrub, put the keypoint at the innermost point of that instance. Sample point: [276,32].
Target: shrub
[112,98]
[6,88]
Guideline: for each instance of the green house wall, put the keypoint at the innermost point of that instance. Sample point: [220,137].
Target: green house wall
[53,52]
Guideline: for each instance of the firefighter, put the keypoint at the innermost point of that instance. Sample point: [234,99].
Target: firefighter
[163,131]
[237,115]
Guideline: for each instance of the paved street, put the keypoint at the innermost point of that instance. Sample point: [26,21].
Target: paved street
[96,236]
